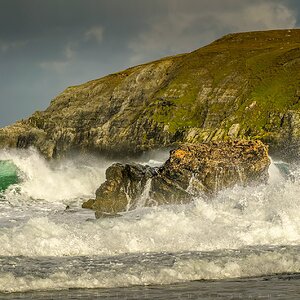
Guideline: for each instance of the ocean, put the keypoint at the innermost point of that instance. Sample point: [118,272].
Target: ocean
[241,244]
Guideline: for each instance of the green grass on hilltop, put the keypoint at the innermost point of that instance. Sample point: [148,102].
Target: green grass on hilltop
[262,68]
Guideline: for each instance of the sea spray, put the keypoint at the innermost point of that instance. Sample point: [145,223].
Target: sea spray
[55,181]
[143,268]
[145,196]
[237,217]
[240,232]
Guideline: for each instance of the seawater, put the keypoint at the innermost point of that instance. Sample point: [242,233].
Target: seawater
[8,174]
[243,234]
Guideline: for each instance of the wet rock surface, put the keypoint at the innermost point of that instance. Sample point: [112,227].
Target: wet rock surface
[190,170]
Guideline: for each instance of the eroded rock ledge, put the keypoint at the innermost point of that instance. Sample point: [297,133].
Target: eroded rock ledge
[190,170]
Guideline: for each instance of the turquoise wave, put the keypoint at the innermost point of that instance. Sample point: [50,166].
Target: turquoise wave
[8,174]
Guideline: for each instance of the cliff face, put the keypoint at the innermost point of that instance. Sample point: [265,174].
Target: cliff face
[244,85]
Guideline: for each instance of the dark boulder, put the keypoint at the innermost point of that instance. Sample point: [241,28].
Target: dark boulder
[123,186]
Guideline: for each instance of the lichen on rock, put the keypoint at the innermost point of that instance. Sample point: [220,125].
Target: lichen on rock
[191,169]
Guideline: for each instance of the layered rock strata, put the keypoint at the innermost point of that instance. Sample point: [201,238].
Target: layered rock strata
[244,85]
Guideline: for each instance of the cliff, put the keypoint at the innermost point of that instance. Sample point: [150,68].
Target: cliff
[244,85]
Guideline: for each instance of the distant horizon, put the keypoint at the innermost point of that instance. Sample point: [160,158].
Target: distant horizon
[47,46]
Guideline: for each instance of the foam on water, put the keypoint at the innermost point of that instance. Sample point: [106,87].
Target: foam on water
[237,218]
[146,269]
[65,179]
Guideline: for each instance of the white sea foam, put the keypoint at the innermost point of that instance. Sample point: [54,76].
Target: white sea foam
[54,181]
[236,218]
[223,266]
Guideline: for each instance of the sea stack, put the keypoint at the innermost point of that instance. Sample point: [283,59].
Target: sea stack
[191,170]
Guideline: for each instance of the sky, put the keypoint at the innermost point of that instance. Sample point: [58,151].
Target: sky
[48,45]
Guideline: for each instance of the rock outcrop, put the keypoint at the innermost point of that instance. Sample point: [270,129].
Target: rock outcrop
[244,85]
[190,170]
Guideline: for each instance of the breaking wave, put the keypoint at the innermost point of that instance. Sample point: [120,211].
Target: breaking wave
[241,232]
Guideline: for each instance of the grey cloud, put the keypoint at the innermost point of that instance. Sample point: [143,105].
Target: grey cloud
[6,46]
[94,33]
[48,45]
[187,27]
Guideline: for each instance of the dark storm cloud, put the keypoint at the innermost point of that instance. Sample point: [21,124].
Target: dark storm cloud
[21,19]
[191,23]
[46,45]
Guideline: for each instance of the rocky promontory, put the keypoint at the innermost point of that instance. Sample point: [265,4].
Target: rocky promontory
[191,170]
[244,85]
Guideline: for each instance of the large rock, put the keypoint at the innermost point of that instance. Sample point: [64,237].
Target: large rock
[243,85]
[190,170]
[123,187]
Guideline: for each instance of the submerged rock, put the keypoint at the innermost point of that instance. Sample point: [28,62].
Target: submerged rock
[190,170]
